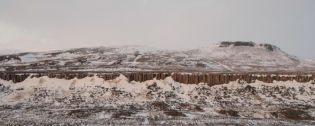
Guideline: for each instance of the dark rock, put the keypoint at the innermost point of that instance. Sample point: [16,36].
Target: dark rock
[268,46]
[237,43]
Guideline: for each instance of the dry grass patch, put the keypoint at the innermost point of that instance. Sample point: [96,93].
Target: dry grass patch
[174,113]
[294,114]
[18,96]
[121,113]
[198,108]
[229,112]
[160,105]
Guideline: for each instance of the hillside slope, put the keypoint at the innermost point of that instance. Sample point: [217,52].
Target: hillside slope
[222,56]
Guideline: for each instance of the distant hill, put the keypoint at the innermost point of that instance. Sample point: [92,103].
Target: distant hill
[9,51]
[226,56]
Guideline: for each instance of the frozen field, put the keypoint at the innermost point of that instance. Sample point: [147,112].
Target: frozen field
[92,100]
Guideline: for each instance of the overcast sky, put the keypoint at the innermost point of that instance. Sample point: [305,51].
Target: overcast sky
[42,25]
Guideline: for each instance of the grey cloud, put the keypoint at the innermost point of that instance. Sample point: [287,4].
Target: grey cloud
[169,24]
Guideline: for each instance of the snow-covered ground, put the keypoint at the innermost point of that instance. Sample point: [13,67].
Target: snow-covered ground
[95,101]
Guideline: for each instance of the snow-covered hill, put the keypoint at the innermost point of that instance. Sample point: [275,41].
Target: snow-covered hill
[222,56]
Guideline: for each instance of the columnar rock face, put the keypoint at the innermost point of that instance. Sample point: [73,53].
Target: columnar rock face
[14,77]
[210,79]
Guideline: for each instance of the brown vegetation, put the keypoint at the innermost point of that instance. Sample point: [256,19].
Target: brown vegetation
[160,105]
[174,113]
[121,113]
[295,114]
[229,112]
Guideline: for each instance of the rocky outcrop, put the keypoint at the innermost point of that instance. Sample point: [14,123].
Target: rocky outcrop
[268,46]
[236,43]
[246,43]
[210,79]
[14,77]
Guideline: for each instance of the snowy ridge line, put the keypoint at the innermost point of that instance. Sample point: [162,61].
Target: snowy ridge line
[188,78]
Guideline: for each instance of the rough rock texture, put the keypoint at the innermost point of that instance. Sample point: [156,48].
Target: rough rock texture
[210,79]
[268,46]
[246,43]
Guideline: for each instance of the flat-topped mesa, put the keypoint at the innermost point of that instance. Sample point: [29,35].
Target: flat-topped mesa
[246,43]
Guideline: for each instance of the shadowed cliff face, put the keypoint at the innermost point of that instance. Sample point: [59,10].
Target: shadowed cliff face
[246,43]
[210,79]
